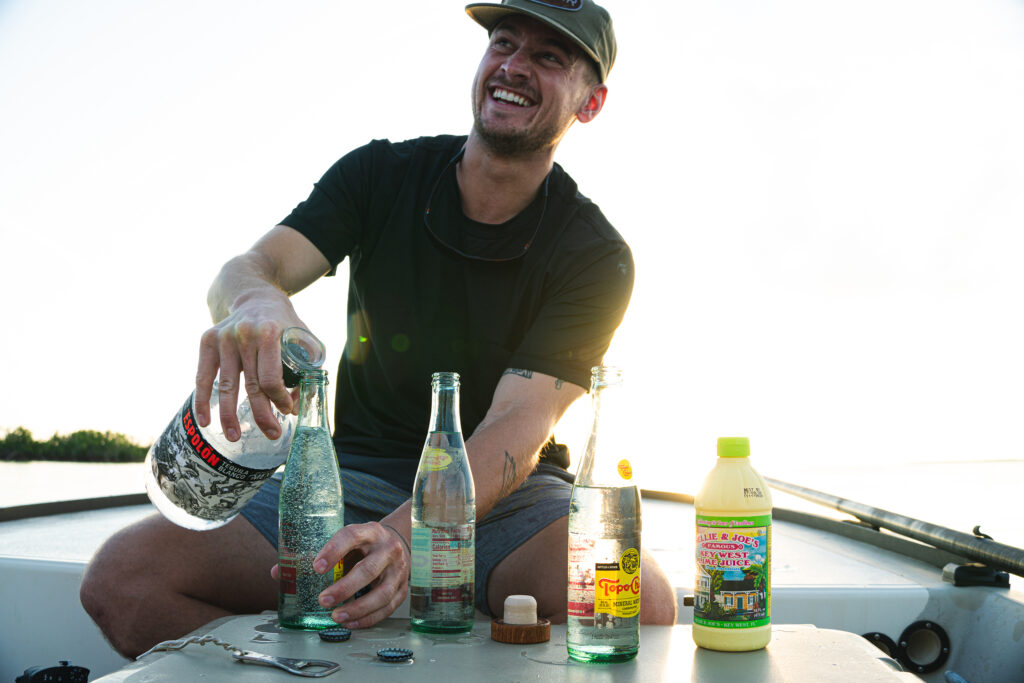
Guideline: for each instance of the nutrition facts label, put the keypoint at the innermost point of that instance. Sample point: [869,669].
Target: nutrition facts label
[581,577]
[443,560]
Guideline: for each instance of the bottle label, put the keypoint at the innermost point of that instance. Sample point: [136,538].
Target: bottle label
[443,561]
[733,585]
[436,459]
[581,577]
[195,477]
[288,560]
[200,449]
[602,588]
[625,470]
[617,586]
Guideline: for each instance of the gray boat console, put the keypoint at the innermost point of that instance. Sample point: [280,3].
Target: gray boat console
[667,653]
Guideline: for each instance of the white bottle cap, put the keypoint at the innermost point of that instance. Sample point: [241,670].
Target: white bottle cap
[520,609]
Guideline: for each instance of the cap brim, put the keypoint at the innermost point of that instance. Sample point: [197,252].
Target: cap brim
[488,15]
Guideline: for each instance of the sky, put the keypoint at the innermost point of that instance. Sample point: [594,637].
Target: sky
[823,201]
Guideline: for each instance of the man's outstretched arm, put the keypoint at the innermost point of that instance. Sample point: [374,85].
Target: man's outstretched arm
[250,305]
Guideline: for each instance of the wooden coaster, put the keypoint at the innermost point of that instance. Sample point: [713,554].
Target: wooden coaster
[521,634]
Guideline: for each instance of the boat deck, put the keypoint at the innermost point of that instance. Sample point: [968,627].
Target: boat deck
[796,653]
[821,578]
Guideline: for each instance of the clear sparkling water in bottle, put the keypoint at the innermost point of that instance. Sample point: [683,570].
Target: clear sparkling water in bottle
[196,477]
[443,521]
[604,536]
[311,510]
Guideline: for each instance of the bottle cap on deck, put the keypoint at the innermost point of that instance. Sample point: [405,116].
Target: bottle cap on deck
[733,447]
[394,654]
[335,635]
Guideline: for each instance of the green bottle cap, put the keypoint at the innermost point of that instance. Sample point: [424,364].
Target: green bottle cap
[733,447]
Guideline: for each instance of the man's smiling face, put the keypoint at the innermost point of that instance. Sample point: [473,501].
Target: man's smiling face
[530,84]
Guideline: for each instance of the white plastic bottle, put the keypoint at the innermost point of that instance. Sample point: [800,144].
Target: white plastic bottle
[732,602]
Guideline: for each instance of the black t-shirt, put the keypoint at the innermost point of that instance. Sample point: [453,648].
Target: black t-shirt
[417,306]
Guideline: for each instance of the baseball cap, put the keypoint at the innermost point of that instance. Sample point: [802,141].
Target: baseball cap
[585,22]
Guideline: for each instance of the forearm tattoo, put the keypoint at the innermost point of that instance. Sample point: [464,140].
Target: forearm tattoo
[528,374]
[508,475]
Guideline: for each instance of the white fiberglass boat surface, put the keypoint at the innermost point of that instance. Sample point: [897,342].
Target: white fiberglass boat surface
[849,602]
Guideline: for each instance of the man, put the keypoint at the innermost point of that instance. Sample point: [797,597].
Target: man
[474,254]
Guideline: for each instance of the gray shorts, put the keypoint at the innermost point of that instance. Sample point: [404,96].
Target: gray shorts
[542,499]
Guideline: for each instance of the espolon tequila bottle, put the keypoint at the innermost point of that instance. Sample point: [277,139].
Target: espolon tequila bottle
[443,521]
[197,478]
[310,511]
[604,535]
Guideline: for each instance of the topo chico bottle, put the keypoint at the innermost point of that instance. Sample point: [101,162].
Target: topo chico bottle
[310,511]
[443,521]
[604,535]
[196,477]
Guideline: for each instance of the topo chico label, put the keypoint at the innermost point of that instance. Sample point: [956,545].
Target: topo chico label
[603,588]
[617,586]
[733,572]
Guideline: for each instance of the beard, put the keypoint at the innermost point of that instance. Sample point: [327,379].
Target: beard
[516,143]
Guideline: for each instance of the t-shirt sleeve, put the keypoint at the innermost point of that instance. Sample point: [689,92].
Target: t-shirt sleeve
[334,215]
[578,319]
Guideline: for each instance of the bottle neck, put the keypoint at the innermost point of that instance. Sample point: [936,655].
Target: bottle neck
[444,403]
[301,352]
[606,459]
[313,400]
[606,393]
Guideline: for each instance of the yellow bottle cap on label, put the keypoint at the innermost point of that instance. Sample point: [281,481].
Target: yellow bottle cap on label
[733,447]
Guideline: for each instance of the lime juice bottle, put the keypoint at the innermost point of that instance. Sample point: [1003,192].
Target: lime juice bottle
[732,601]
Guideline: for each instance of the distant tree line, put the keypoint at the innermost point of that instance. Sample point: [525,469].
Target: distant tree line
[82,446]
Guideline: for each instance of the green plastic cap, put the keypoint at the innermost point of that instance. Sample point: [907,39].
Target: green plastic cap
[733,447]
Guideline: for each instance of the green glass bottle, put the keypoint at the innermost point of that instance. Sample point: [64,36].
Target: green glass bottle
[310,511]
[443,521]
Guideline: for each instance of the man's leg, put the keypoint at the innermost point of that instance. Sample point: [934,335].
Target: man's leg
[155,581]
[539,568]
[523,543]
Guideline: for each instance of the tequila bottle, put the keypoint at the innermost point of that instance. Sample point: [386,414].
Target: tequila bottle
[196,477]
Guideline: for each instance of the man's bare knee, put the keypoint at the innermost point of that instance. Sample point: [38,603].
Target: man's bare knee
[658,602]
[154,581]
[109,587]
[539,568]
